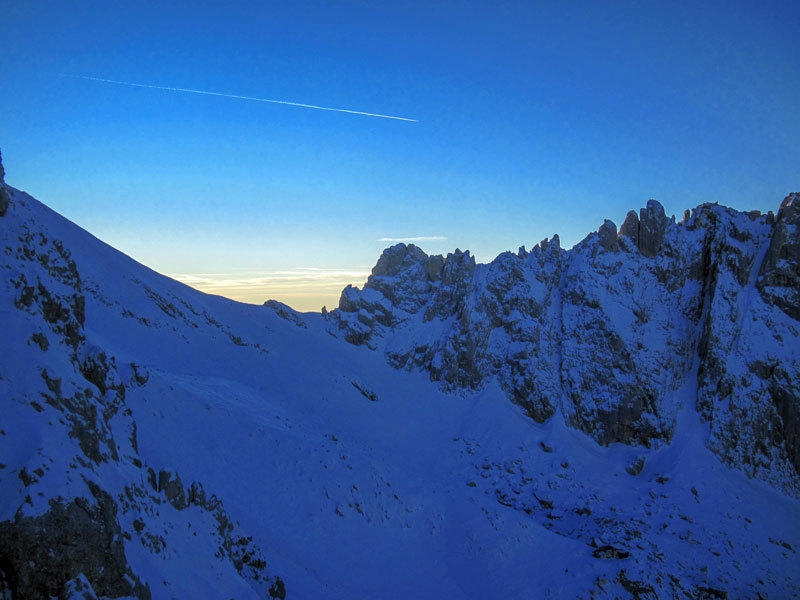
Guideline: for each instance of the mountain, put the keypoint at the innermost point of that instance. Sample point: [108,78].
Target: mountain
[606,333]
[618,420]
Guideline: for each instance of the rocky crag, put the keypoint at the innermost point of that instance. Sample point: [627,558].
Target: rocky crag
[603,334]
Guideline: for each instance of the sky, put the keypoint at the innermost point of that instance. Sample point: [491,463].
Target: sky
[526,119]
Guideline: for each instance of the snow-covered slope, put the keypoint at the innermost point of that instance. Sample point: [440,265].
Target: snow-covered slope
[157,442]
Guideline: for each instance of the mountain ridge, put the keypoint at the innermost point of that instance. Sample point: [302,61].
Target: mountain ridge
[158,442]
[605,331]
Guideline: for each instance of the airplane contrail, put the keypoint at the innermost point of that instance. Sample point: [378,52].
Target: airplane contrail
[237,97]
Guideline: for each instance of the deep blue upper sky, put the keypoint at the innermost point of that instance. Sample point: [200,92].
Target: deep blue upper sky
[534,119]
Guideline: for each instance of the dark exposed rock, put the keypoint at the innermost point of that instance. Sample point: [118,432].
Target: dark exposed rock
[169,483]
[88,419]
[608,236]
[457,274]
[608,551]
[4,197]
[630,228]
[5,200]
[779,277]
[703,592]
[40,340]
[365,391]
[101,371]
[286,312]
[652,226]
[245,555]
[41,555]
[639,590]
[783,390]
[62,307]
[434,266]
[278,589]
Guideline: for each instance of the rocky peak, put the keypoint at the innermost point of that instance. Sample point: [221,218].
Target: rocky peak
[645,231]
[547,247]
[608,236]
[2,170]
[398,258]
[404,275]
[630,228]
[652,226]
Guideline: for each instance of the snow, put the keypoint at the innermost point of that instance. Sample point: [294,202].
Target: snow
[418,493]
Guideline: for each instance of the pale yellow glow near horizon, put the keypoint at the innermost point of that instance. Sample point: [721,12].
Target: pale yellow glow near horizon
[304,289]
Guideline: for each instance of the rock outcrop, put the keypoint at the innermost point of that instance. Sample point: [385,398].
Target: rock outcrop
[4,195]
[646,231]
[630,228]
[652,227]
[607,235]
[43,555]
[606,337]
[779,277]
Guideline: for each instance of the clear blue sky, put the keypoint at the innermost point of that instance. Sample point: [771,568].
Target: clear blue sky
[534,118]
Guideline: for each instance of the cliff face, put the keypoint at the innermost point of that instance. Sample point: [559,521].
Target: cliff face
[606,332]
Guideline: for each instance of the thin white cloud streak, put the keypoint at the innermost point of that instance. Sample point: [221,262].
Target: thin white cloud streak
[420,238]
[238,97]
